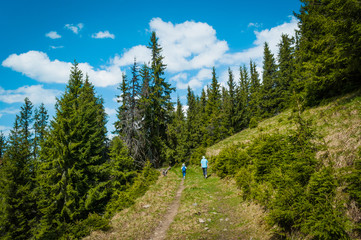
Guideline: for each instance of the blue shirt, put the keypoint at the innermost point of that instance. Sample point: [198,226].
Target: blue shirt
[204,163]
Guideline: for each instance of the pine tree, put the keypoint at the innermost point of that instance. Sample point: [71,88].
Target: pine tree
[17,180]
[242,96]
[161,102]
[254,93]
[40,128]
[2,146]
[213,107]
[146,112]
[268,93]
[285,74]
[178,150]
[232,103]
[72,156]
[129,114]
[330,47]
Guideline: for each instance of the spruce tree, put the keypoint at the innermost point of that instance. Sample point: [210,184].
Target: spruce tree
[330,47]
[145,103]
[285,75]
[161,102]
[269,101]
[72,156]
[254,93]
[213,107]
[40,128]
[17,180]
[242,96]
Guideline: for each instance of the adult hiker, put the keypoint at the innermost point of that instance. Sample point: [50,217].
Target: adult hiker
[204,165]
[184,170]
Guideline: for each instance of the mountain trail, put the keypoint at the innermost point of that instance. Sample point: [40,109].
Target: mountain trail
[161,230]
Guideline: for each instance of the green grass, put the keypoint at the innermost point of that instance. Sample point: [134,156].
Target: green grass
[212,209]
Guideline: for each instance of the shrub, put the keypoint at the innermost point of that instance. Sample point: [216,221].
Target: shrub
[253,123]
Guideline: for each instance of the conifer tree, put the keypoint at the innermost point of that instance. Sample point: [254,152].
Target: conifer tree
[2,146]
[40,128]
[330,47]
[72,155]
[268,96]
[177,137]
[161,102]
[231,106]
[254,93]
[285,75]
[145,110]
[17,180]
[213,107]
[242,96]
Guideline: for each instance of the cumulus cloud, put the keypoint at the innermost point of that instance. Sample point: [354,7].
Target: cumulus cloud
[105,34]
[110,111]
[271,36]
[195,82]
[141,53]
[189,45]
[53,35]
[38,66]
[36,93]
[74,28]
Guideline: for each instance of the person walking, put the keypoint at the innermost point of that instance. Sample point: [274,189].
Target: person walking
[204,165]
[184,170]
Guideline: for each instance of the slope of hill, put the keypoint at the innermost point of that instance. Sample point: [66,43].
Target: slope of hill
[337,122]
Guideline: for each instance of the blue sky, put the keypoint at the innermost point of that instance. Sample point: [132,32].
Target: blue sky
[40,40]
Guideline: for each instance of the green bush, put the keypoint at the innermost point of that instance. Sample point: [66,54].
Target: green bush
[230,160]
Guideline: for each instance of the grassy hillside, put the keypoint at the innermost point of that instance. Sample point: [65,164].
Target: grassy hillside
[309,188]
[337,122]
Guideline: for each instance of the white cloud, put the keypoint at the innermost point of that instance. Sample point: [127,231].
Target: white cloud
[36,93]
[256,25]
[53,35]
[140,52]
[105,34]
[56,47]
[38,66]
[75,28]
[110,111]
[189,45]
[271,36]
[9,110]
[195,82]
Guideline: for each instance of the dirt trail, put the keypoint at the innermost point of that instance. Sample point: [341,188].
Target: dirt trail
[161,230]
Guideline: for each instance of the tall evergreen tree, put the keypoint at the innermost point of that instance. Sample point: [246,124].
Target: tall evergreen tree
[330,47]
[213,107]
[17,180]
[72,156]
[242,96]
[2,146]
[161,102]
[146,112]
[40,128]
[254,92]
[285,74]
[268,96]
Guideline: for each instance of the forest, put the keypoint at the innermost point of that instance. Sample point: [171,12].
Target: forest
[62,178]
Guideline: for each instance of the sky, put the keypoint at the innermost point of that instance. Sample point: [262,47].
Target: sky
[41,39]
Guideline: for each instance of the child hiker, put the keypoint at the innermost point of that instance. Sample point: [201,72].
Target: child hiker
[184,169]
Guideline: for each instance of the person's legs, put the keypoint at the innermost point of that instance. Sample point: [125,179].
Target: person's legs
[184,174]
[204,172]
